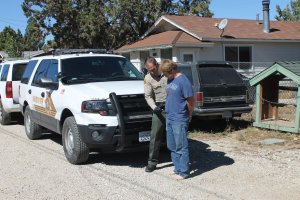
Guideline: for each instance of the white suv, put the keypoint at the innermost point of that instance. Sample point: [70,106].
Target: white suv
[10,76]
[95,100]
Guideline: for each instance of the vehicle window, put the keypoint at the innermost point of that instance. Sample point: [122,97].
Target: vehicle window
[17,71]
[4,72]
[40,72]
[96,69]
[187,70]
[28,71]
[220,74]
[52,71]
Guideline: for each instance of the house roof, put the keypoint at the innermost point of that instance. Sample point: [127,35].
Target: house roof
[201,29]
[205,29]
[164,40]
[31,54]
[288,69]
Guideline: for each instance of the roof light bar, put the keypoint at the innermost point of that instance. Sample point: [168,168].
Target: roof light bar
[78,51]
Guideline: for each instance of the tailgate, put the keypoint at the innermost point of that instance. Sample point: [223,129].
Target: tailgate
[221,86]
[15,88]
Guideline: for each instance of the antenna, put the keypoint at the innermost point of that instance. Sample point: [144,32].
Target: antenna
[223,23]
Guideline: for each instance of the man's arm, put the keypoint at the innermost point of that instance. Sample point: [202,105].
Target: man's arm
[190,105]
[149,94]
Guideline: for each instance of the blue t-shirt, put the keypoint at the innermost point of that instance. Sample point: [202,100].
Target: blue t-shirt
[178,90]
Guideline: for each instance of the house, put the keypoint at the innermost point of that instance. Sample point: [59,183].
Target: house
[277,97]
[31,54]
[3,55]
[251,45]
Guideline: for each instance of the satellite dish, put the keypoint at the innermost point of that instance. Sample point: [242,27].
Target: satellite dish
[222,24]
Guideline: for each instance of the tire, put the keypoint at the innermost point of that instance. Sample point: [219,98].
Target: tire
[76,151]
[32,129]
[5,117]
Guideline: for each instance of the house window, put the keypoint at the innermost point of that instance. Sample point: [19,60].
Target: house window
[240,56]
[166,54]
[187,57]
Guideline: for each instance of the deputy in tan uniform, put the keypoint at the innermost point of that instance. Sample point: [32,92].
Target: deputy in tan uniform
[155,94]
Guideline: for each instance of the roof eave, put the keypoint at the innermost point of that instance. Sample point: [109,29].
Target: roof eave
[249,40]
[172,23]
[144,48]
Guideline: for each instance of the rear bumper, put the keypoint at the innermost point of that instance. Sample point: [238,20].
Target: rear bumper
[9,106]
[220,111]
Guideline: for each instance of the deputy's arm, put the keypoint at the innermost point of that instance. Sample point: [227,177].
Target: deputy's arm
[149,93]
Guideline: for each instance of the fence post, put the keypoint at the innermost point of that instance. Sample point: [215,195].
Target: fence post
[297,117]
[258,103]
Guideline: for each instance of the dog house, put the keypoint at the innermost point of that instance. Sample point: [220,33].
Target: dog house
[278,97]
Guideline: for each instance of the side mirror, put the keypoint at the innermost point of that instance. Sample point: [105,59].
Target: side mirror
[48,83]
[144,71]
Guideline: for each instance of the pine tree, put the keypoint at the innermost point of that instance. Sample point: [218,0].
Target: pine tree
[290,13]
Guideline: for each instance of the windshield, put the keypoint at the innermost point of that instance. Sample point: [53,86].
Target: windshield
[97,69]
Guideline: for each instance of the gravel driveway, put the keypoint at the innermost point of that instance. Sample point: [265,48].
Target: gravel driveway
[221,169]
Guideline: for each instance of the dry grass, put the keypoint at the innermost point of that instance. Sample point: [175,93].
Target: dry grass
[241,130]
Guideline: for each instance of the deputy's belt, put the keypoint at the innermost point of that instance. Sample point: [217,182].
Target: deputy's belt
[160,104]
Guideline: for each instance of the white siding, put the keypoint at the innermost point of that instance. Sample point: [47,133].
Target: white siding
[135,59]
[270,52]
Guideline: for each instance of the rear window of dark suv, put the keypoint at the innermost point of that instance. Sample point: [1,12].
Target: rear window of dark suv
[17,71]
[219,75]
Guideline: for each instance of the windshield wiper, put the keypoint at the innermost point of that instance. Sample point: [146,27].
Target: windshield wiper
[82,80]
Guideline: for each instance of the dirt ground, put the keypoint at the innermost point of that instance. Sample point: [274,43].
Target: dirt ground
[224,165]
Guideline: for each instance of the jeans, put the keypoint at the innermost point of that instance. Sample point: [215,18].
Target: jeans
[177,143]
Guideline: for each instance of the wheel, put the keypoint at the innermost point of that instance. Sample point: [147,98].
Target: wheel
[4,116]
[76,151]
[32,129]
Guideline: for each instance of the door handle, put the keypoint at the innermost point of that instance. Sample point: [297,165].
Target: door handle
[43,94]
[29,91]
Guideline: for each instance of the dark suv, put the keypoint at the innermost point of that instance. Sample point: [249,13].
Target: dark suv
[219,90]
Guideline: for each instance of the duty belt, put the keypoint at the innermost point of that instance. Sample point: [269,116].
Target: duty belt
[161,105]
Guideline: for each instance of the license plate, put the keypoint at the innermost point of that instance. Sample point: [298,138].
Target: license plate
[144,136]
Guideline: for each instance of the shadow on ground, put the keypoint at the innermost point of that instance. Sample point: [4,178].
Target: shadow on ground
[219,125]
[202,158]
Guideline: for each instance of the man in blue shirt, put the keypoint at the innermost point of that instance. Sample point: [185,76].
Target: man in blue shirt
[179,110]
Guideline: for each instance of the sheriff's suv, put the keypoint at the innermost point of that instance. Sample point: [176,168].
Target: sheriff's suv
[10,76]
[94,99]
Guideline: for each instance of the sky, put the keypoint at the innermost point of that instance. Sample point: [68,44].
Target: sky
[11,13]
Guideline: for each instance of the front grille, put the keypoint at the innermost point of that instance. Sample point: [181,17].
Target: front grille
[137,115]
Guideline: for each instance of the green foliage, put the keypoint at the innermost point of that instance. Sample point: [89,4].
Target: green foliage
[11,42]
[194,7]
[105,23]
[34,38]
[290,13]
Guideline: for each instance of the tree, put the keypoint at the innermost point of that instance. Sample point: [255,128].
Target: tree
[73,23]
[11,41]
[34,38]
[194,7]
[105,23]
[290,13]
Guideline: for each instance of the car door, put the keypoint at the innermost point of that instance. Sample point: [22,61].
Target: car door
[17,72]
[49,109]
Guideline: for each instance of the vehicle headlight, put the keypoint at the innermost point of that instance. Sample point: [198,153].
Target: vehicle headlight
[97,106]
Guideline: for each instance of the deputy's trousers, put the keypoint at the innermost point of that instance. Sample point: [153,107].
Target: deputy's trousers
[158,128]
